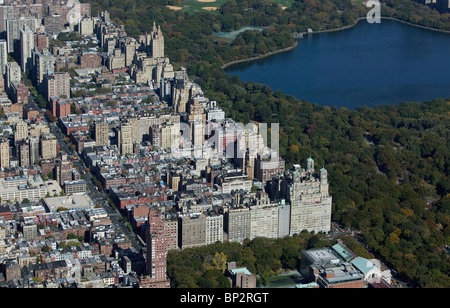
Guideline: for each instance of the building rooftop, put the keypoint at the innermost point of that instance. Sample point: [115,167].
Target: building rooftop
[343,252]
[240,270]
[322,256]
[363,265]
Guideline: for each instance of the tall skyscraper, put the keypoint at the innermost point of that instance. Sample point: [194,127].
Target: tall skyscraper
[3,56]
[26,45]
[156,42]
[307,192]
[156,252]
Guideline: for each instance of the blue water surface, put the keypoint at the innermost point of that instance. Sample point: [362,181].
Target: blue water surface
[367,65]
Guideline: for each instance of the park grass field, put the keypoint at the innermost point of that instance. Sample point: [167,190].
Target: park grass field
[192,6]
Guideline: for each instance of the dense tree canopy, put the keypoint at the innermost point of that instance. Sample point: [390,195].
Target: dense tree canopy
[205,266]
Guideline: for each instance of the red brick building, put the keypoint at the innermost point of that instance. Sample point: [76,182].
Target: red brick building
[71,125]
[156,254]
[6,213]
[18,93]
[59,107]
[90,59]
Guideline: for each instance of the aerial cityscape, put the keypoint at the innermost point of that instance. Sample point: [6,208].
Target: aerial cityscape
[130,159]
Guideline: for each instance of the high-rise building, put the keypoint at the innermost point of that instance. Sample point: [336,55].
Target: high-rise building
[264,218]
[86,26]
[53,24]
[192,230]
[155,136]
[34,150]
[26,45]
[174,181]
[197,133]
[90,59]
[155,42]
[171,231]
[3,56]
[169,137]
[214,228]
[18,93]
[64,168]
[59,107]
[126,138]
[443,6]
[180,95]
[41,41]
[57,9]
[13,74]
[156,252]
[128,46]
[29,232]
[307,192]
[13,27]
[43,63]
[56,84]
[20,131]
[266,169]
[102,133]
[237,224]
[4,153]
[48,146]
[24,153]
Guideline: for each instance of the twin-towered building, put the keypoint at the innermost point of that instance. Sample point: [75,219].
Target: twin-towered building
[296,201]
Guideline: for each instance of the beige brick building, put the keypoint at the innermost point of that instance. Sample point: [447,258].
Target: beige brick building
[48,146]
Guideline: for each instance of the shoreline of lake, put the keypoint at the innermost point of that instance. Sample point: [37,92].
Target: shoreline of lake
[226,65]
[348,68]
[382,17]
[261,56]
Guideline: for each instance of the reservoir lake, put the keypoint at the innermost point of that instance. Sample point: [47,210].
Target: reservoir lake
[366,65]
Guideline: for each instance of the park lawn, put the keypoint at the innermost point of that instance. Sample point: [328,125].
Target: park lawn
[192,6]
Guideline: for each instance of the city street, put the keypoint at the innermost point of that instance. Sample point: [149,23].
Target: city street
[99,197]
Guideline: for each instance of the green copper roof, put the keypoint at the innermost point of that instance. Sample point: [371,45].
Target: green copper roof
[342,251]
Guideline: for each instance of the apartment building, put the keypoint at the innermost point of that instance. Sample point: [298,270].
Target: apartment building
[56,84]
[48,146]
